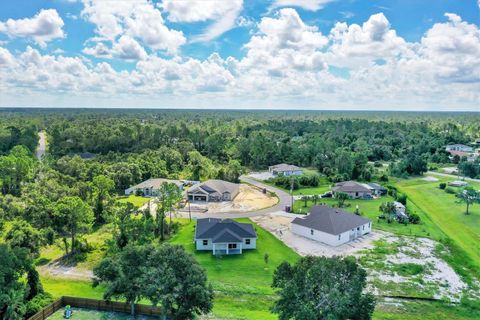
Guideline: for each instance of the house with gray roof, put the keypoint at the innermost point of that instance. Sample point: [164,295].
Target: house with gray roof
[224,236]
[331,225]
[284,169]
[150,187]
[213,191]
[355,190]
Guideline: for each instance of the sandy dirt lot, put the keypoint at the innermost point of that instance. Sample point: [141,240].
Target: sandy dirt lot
[249,199]
[279,225]
[264,175]
[55,269]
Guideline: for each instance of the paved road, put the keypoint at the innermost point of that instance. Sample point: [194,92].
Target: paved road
[42,145]
[283,197]
[452,176]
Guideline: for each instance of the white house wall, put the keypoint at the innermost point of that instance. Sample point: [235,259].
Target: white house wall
[209,247]
[330,239]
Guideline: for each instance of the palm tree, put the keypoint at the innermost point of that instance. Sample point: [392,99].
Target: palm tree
[389,210]
[15,306]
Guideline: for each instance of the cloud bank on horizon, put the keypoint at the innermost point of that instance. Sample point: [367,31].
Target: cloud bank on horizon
[280,54]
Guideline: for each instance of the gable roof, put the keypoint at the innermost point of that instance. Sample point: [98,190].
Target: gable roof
[156,183]
[330,220]
[377,186]
[351,186]
[226,230]
[215,186]
[282,167]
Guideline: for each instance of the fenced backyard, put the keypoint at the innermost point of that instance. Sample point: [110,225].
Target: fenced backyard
[93,304]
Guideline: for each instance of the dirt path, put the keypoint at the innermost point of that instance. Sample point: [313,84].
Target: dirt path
[55,269]
[452,176]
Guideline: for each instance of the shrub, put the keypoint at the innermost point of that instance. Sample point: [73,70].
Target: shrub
[377,164]
[402,198]
[442,185]
[384,178]
[414,218]
[450,190]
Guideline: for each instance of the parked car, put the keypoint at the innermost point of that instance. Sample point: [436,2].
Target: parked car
[327,194]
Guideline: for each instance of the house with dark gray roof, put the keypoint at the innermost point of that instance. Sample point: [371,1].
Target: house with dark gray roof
[355,190]
[285,170]
[150,187]
[224,236]
[332,226]
[213,191]
[377,189]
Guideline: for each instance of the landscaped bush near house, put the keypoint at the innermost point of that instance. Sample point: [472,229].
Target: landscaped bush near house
[442,185]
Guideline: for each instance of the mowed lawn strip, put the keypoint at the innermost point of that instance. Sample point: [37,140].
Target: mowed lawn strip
[447,213]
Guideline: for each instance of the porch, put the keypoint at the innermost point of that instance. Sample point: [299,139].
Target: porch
[227,248]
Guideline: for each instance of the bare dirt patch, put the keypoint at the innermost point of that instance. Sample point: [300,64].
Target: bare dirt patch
[430,179]
[249,199]
[56,269]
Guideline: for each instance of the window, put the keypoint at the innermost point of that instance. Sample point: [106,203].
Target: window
[339,236]
[205,242]
[232,246]
[247,241]
[369,224]
[311,232]
[363,227]
[358,228]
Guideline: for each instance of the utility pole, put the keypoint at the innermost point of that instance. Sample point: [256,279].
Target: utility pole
[291,193]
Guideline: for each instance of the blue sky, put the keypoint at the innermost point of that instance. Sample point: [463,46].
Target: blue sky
[285,54]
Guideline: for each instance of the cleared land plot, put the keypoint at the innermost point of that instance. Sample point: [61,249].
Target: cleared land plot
[242,282]
[371,210]
[445,211]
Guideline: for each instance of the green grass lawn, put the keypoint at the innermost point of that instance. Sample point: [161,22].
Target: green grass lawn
[323,186]
[137,201]
[445,211]
[370,209]
[241,280]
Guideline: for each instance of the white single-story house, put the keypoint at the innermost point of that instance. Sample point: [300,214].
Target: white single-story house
[458,184]
[224,236]
[150,187]
[213,191]
[377,189]
[355,190]
[458,147]
[331,225]
[284,169]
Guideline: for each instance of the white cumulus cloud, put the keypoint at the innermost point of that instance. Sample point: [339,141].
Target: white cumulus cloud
[312,5]
[44,27]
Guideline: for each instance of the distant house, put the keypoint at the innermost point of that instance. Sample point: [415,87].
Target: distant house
[213,190]
[458,147]
[458,184]
[224,236]
[284,169]
[355,190]
[150,187]
[377,189]
[331,225]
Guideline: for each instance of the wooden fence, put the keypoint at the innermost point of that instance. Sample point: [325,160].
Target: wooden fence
[101,305]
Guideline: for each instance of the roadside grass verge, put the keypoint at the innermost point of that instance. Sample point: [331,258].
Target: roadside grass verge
[445,211]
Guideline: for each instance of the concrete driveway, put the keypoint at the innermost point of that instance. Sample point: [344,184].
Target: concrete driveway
[284,200]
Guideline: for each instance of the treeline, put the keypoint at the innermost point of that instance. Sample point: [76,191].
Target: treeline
[340,148]
[16,131]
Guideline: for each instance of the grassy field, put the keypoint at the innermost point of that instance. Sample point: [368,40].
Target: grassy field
[370,209]
[445,211]
[137,201]
[323,186]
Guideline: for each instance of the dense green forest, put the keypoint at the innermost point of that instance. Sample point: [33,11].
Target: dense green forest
[64,196]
